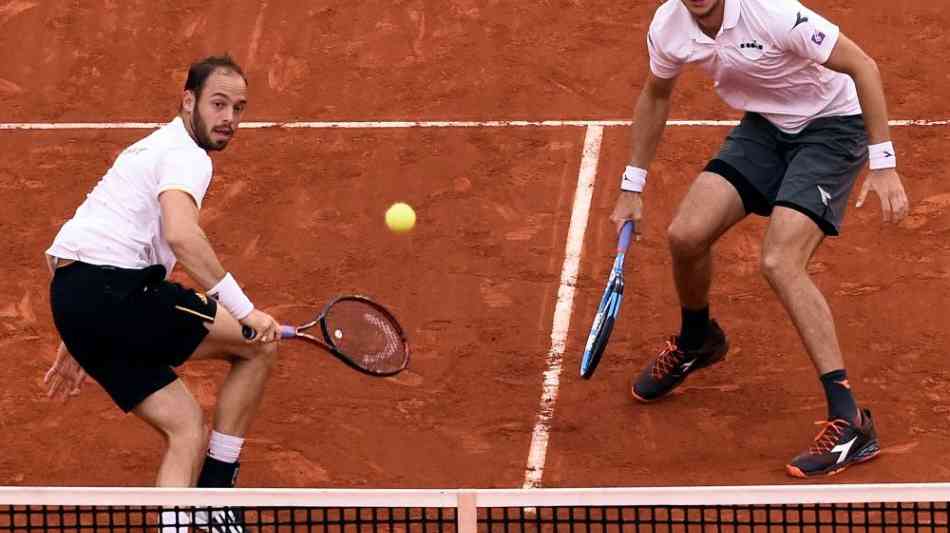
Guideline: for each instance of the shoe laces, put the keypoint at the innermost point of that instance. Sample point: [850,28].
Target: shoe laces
[828,436]
[670,357]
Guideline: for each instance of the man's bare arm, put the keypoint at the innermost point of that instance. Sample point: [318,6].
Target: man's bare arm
[191,246]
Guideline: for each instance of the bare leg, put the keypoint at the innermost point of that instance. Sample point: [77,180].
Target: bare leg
[710,208]
[790,242]
[174,412]
[241,392]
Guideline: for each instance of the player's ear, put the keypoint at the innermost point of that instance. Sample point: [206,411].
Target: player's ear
[188,101]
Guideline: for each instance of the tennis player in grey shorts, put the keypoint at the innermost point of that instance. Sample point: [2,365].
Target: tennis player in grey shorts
[815,113]
[811,172]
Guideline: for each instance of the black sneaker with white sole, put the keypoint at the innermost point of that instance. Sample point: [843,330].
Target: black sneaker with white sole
[668,369]
[838,445]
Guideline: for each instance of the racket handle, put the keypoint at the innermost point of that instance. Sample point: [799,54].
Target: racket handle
[626,232]
[286,332]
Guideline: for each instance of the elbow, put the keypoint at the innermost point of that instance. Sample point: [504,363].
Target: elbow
[865,67]
[871,66]
[176,237]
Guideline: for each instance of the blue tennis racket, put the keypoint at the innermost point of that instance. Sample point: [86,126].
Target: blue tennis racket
[609,307]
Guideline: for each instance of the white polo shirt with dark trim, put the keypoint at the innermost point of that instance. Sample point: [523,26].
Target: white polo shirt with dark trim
[767,59]
[120,222]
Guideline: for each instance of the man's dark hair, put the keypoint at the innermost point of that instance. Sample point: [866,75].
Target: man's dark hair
[199,72]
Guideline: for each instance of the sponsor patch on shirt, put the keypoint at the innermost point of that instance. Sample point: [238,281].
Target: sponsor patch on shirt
[752,49]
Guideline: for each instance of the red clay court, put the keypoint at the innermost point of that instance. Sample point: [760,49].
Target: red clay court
[297,214]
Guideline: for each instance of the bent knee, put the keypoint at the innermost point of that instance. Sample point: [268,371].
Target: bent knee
[188,429]
[686,239]
[777,266]
[262,352]
[267,350]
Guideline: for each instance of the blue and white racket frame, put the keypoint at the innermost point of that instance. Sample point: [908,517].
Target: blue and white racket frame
[609,307]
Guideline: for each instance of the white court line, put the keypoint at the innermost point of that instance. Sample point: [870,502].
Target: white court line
[565,304]
[398,124]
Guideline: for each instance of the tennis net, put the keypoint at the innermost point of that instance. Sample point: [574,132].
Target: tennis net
[796,508]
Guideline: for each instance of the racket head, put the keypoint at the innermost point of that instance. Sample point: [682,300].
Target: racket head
[609,306]
[365,335]
[602,327]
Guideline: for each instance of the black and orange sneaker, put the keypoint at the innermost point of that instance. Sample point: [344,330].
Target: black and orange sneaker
[673,364]
[838,445]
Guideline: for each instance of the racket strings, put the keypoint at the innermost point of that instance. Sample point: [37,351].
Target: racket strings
[367,336]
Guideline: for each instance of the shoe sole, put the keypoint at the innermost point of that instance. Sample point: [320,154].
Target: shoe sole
[864,456]
[712,362]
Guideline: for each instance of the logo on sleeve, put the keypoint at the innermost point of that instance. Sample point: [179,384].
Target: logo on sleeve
[818,37]
[799,19]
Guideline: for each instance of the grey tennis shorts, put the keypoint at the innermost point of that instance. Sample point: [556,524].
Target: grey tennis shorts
[812,171]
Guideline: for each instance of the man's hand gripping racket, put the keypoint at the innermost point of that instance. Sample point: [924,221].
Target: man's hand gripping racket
[359,331]
[609,307]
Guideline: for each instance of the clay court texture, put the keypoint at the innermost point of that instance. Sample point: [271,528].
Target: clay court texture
[498,282]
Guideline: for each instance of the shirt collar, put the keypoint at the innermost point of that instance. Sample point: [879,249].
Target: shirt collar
[730,17]
[178,124]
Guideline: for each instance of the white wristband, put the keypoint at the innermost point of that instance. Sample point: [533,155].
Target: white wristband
[633,179]
[882,155]
[229,294]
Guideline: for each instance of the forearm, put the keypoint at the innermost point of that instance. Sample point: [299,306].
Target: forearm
[649,121]
[870,89]
[196,256]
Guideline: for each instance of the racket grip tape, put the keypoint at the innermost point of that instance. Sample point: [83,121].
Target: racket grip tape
[626,232]
[286,332]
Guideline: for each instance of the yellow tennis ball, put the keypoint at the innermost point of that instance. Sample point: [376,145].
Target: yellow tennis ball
[400,217]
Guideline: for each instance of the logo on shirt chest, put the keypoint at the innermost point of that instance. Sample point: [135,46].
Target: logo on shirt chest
[751,49]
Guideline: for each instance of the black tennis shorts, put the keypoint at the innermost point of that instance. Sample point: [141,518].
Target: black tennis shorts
[128,328]
[812,171]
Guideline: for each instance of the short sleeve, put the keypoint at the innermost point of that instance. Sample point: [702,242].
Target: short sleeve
[185,170]
[811,36]
[662,63]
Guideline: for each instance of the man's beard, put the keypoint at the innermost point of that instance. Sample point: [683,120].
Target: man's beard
[203,135]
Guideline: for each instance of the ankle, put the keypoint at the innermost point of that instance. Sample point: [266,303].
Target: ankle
[694,328]
[841,403]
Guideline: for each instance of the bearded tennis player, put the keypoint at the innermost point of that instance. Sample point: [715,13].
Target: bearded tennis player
[125,325]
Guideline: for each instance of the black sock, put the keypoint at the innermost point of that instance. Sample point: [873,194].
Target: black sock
[694,327]
[218,474]
[841,403]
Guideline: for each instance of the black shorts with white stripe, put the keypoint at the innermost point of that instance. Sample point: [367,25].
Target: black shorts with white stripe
[127,328]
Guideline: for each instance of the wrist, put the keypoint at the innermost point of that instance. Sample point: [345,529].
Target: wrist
[633,180]
[228,293]
[882,156]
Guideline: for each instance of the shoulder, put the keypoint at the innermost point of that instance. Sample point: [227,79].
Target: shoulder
[780,17]
[671,31]
[670,18]
[772,8]
[174,142]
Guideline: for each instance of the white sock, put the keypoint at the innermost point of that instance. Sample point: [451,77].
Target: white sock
[225,448]
[175,522]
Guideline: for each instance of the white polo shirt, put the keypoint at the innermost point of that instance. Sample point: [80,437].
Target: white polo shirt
[120,221]
[767,58]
